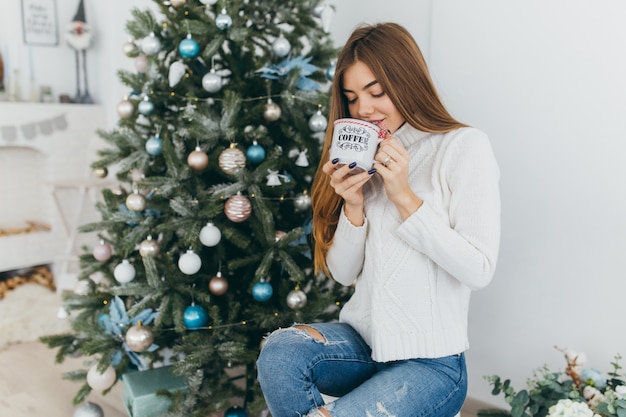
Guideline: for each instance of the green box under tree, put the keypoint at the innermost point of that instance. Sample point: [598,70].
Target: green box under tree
[140,391]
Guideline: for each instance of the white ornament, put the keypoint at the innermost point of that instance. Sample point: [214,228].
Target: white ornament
[189,263]
[211,2]
[151,45]
[212,82]
[273,179]
[281,46]
[177,70]
[141,63]
[302,160]
[62,313]
[88,409]
[101,381]
[317,122]
[124,272]
[210,235]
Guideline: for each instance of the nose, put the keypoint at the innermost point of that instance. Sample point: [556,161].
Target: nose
[364,108]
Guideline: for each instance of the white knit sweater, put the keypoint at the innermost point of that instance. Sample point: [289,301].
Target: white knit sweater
[413,279]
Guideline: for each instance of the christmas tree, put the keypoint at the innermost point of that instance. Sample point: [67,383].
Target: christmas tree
[204,247]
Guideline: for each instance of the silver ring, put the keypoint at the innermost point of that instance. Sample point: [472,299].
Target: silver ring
[386,161]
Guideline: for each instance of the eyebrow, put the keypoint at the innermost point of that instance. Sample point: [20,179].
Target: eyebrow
[368,85]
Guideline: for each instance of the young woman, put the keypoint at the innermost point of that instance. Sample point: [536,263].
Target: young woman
[414,236]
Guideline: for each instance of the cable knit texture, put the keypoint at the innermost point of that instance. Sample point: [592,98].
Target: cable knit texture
[413,279]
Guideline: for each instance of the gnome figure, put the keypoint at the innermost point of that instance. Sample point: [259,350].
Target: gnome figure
[78,35]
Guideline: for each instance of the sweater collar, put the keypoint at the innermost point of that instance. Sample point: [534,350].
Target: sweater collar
[408,135]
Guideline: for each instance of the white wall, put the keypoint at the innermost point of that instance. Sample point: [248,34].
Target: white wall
[547,82]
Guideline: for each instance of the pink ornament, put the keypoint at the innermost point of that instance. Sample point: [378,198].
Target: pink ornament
[102,251]
[238,208]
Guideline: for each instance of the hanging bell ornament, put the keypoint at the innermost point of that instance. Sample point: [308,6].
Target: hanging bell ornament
[210,235]
[139,337]
[136,202]
[296,299]
[176,72]
[272,111]
[151,45]
[124,272]
[303,160]
[223,21]
[218,285]
[317,122]
[189,263]
[231,160]
[125,109]
[149,247]
[273,179]
[238,208]
[281,46]
[198,160]
[302,202]
[255,153]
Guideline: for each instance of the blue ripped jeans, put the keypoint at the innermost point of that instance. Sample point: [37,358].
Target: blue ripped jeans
[294,368]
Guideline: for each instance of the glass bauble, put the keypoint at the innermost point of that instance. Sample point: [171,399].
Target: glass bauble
[212,82]
[149,247]
[141,63]
[262,291]
[197,159]
[151,45]
[145,107]
[124,272]
[231,160]
[101,172]
[255,153]
[218,285]
[188,47]
[154,146]
[136,202]
[223,21]
[302,202]
[128,48]
[272,111]
[139,337]
[281,46]
[125,109]
[235,411]
[102,251]
[189,263]
[195,317]
[317,122]
[210,235]
[238,208]
[296,299]
[101,380]
[88,409]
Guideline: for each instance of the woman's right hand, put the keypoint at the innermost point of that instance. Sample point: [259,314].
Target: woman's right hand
[350,187]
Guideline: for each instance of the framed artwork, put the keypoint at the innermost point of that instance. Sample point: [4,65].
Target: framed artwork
[39,21]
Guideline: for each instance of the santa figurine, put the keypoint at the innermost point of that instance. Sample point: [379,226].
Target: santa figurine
[78,35]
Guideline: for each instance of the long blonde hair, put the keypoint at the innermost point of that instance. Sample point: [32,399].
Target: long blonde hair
[396,61]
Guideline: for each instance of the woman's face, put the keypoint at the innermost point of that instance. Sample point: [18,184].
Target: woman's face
[367,100]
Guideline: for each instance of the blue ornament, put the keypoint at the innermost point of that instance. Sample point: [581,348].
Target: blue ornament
[188,48]
[154,146]
[235,411]
[255,153]
[102,317]
[195,317]
[330,72]
[145,107]
[133,217]
[262,291]
[223,21]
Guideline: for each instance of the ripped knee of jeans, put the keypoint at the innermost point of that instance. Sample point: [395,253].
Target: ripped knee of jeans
[318,412]
[314,333]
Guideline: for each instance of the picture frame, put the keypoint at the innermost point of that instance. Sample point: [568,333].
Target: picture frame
[40,22]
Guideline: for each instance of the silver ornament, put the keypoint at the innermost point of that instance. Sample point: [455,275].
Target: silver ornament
[238,208]
[272,111]
[212,82]
[281,46]
[296,299]
[231,160]
[223,21]
[317,122]
[151,45]
[125,109]
[136,202]
[176,72]
[302,202]
[139,337]
[88,409]
[149,247]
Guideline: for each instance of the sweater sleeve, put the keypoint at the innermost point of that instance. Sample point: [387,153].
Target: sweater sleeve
[347,253]
[465,242]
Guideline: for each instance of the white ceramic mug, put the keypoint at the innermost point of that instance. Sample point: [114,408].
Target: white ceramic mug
[355,140]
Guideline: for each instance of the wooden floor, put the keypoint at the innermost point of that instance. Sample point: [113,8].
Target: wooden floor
[31,385]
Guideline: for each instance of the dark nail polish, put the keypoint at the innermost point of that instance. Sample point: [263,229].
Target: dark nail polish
[372,171]
[352,165]
[334,161]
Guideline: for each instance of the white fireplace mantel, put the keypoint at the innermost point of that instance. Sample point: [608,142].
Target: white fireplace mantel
[44,145]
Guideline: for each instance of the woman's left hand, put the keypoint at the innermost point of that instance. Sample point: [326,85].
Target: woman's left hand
[392,164]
